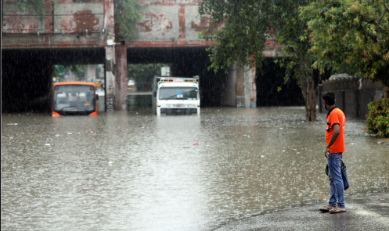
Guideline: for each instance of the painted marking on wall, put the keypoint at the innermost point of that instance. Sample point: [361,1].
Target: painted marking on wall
[200,24]
[81,21]
[181,22]
[155,22]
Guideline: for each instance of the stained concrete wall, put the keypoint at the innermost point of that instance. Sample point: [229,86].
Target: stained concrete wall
[352,95]
[229,89]
[66,24]
[240,87]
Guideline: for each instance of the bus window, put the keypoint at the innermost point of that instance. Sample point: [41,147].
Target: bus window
[74,99]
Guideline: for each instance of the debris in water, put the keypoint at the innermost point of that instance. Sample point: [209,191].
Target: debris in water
[12,124]
[196,144]
[47,144]
[91,131]
[57,135]
[69,133]
[262,156]
[281,128]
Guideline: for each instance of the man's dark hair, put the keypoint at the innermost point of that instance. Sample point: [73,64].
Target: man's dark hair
[329,98]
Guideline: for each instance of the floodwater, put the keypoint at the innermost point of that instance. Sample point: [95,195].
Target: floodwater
[136,171]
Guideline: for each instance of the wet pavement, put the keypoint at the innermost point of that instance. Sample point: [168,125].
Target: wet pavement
[226,169]
[365,211]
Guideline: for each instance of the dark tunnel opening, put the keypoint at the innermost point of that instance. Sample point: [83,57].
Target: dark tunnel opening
[185,62]
[27,79]
[268,81]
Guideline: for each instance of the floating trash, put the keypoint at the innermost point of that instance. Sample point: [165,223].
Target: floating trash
[12,124]
[262,156]
[47,144]
[57,135]
[196,144]
[69,133]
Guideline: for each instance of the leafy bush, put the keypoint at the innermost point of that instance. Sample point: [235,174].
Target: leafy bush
[378,118]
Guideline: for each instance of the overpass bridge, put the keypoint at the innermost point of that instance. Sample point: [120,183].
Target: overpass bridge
[83,32]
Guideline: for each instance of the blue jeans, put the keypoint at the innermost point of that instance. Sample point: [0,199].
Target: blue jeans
[336,181]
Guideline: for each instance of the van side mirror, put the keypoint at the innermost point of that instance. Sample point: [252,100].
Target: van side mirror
[97,97]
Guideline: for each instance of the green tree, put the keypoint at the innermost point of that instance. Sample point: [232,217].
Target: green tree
[143,74]
[241,28]
[39,6]
[60,70]
[126,15]
[350,36]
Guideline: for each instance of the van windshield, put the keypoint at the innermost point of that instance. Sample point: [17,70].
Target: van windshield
[178,93]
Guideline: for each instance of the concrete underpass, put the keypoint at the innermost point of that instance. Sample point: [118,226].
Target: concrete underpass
[27,76]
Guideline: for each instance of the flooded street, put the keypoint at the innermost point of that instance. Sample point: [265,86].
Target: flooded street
[135,171]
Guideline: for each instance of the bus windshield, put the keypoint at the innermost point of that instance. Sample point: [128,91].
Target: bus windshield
[74,98]
[178,93]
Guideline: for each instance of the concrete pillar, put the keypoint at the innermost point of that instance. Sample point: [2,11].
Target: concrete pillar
[120,77]
[240,94]
[229,89]
[109,34]
[246,92]
[250,88]
[91,72]
[109,78]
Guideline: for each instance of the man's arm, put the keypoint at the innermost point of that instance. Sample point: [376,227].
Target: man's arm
[334,136]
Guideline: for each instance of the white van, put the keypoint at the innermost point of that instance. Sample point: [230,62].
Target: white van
[176,95]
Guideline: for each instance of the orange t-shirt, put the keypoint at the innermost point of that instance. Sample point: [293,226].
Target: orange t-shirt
[335,116]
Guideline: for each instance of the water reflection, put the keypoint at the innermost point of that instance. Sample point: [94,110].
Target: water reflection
[134,170]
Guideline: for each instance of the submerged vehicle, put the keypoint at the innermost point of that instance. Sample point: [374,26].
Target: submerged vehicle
[74,98]
[130,84]
[176,95]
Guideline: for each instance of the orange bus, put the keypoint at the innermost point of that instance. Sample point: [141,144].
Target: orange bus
[74,98]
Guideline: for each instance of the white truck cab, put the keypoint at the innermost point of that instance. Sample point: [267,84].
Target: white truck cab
[176,95]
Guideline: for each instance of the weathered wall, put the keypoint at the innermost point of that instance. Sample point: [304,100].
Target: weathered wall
[352,94]
[229,88]
[67,24]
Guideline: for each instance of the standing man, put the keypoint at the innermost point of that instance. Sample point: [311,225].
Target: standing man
[335,147]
